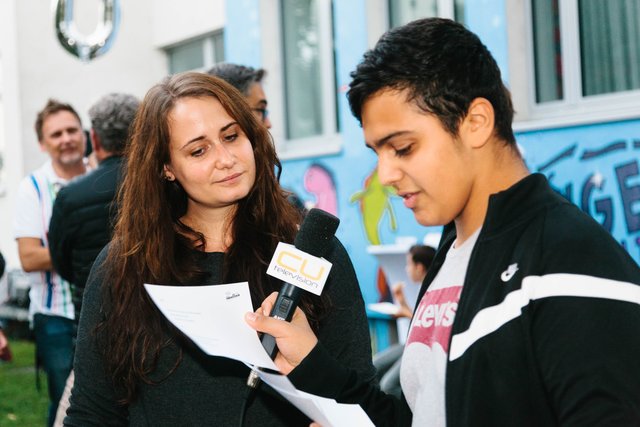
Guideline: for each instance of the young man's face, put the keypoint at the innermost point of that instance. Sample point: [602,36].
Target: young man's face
[431,170]
[63,138]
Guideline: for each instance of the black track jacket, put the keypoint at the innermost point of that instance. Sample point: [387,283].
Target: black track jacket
[547,330]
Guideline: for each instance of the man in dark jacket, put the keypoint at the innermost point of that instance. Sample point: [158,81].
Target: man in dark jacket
[83,214]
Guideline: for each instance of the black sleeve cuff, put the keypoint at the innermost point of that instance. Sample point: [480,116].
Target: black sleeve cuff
[320,374]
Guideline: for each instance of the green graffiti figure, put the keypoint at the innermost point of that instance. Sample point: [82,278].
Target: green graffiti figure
[374,202]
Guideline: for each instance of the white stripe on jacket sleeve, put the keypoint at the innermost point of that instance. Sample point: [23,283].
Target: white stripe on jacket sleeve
[492,318]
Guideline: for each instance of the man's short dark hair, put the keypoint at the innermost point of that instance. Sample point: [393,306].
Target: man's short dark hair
[442,66]
[239,76]
[53,106]
[111,119]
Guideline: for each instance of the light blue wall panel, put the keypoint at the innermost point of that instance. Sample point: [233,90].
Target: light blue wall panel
[242,32]
[488,19]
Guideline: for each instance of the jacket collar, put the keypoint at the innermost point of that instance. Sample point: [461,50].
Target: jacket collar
[506,209]
[110,160]
[510,207]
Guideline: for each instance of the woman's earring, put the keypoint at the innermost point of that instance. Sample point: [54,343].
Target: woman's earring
[169,178]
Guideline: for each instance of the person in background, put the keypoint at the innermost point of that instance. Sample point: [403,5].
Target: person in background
[419,259]
[84,212]
[5,349]
[529,314]
[389,361]
[248,81]
[199,205]
[51,310]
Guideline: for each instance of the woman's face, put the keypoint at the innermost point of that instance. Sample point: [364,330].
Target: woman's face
[210,155]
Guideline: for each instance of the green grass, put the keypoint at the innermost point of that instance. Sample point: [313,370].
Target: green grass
[20,403]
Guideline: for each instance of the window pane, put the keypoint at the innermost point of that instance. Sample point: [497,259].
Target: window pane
[459,11]
[218,47]
[609,45]
[188,56]
[547,50]
[303,93]
[404,11]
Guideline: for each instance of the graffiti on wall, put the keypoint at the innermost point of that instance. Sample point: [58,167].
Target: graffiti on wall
[604,182]
[374,202]
[318,181]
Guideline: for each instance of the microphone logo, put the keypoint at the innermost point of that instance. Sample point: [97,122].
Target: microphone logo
[299,268]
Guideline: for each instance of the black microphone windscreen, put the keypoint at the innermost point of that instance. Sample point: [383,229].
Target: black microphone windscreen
[316,232]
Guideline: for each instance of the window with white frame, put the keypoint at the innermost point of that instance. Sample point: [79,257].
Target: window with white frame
[309,69]
[404,11]
[301,76]
[196,54]
[584,52]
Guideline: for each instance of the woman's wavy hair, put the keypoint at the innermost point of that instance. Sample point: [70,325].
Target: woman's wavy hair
[151,245]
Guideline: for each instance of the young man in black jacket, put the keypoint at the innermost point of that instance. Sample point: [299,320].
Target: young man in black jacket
[530,313]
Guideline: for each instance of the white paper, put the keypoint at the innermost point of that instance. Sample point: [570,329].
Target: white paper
[324,411]
[213,318]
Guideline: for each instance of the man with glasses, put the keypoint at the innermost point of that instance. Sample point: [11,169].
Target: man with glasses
[247,80]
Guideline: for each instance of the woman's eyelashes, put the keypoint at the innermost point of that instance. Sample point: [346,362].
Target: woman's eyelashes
[230,137]
[198,152]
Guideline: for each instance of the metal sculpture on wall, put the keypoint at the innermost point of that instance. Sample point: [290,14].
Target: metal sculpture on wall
[97,43]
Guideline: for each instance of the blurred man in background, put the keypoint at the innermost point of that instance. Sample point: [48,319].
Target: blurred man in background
[51,310]
[248,81]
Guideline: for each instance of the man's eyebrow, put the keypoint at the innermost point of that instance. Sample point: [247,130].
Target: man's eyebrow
[376,145]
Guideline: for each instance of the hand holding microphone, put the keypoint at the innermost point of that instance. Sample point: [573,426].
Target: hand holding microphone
[314,238]
[312,241]
[295,338]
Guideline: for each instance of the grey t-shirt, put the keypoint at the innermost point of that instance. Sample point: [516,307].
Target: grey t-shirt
[424,360]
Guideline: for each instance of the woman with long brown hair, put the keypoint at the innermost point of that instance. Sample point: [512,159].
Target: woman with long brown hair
[200,204]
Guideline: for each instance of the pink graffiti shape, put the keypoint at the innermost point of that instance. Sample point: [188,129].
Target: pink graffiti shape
[319,182]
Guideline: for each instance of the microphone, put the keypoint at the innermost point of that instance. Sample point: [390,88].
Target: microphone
[314,238]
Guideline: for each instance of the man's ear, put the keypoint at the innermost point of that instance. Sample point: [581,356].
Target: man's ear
[478,126]
[95,140]
[168,175]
